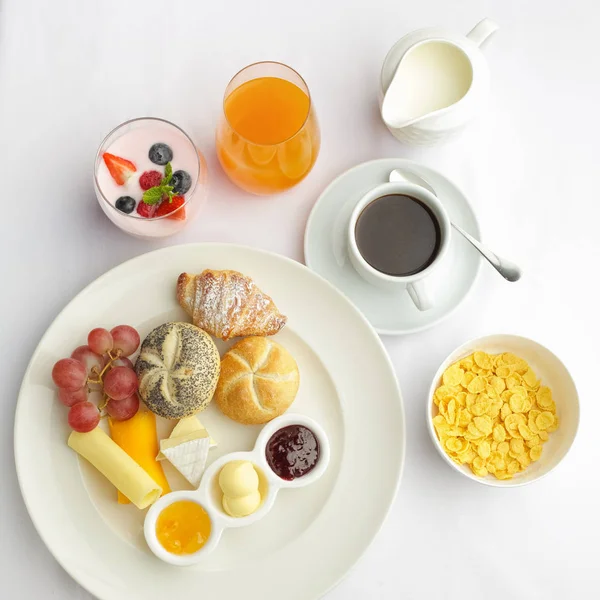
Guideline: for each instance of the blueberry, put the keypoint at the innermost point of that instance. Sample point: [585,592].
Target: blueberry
[181,182]
[125,204]
[160,154]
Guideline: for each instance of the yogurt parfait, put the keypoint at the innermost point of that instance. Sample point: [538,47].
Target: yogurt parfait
[149,178]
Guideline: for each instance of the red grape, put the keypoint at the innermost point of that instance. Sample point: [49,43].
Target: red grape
[123,361]
[90,359]
[100,341]
[126,338]
[69,374]
[121,410]
[120,383]
[83,417]
[71,398]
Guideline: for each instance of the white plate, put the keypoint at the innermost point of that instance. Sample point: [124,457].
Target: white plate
[390,312]
[313,535]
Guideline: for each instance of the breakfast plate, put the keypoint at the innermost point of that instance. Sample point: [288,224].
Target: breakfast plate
[390,311]
[293,551]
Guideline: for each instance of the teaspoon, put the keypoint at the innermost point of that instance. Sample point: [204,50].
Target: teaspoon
[509,270]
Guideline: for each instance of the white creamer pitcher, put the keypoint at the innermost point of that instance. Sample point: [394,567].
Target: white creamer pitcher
[433,82]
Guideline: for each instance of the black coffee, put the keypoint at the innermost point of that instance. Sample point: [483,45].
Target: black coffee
[398,235]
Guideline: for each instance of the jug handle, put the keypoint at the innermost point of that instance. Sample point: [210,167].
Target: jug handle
[482,31]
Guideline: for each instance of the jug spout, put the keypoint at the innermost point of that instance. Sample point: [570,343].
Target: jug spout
[393,115]
[482,31]
[400,108]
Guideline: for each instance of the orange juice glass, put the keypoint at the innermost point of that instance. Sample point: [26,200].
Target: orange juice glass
[268,137]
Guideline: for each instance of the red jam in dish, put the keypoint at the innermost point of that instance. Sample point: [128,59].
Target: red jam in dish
[292,452]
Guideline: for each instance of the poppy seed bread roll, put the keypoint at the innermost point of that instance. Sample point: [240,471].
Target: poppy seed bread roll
[259,381]
[178,369]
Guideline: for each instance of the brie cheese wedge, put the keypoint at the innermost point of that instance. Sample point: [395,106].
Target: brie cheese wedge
[188,455]
[187,448]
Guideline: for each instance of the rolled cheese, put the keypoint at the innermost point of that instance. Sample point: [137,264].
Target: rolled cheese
[116,465]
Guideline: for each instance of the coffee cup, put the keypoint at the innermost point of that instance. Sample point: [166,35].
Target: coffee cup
[397,236]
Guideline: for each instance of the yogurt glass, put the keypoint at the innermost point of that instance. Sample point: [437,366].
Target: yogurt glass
[132,140]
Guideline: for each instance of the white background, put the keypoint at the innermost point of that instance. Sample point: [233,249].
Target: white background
[71,70]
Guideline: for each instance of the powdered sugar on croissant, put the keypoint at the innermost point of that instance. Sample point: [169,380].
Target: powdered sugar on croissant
[228,304]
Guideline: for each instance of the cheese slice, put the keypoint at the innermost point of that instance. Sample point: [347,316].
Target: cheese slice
[188,425]
[188,455]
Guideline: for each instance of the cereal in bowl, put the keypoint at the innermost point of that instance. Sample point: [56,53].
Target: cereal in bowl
[493,414]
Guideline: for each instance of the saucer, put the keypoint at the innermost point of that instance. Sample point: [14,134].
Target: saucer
[390,312]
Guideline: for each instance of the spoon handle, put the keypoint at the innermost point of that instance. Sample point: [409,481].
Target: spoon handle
[509,270]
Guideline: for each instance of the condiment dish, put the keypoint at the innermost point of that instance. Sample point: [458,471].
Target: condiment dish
[209,494]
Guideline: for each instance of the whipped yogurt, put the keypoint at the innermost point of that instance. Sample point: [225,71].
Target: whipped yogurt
[132,141]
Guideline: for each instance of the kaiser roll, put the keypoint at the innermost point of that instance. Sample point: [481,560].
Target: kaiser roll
[259,381]
[178,369]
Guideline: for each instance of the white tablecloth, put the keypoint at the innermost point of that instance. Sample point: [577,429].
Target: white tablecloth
[70,70]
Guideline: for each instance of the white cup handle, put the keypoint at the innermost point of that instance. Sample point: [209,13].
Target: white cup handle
[419,295]
[482,31]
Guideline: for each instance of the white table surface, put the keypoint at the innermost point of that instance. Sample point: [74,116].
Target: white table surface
[70,70]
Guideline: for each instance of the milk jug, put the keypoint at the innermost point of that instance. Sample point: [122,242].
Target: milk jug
[434,82]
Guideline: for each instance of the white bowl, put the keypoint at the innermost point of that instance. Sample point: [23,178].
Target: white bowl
[552,372]
[209,494]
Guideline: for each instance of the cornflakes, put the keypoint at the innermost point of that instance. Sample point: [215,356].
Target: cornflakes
[483,360]
[499,433]
[477,385]
[493,414]
[535,452]
[453,375]
[530,379]
[503,447]
[544,420]
[516,447]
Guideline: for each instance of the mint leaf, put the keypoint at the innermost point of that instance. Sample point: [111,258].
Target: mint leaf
[153,195]
[168,192]
[168,174]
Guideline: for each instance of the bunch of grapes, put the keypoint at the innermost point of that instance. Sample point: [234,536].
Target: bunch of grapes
[101,366]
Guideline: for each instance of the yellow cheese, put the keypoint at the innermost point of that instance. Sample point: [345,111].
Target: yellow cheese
[116,465]
[189,425]
[137,436]
[186,426]
[186,430]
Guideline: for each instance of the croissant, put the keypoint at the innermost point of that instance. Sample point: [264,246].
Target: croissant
[228,304]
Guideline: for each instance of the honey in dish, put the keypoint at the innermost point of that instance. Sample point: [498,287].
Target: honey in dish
[183,527]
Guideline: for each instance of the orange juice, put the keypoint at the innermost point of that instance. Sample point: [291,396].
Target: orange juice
[269,138]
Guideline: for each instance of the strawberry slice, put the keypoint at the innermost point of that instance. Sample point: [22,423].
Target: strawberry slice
[166,208]
[119,168]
